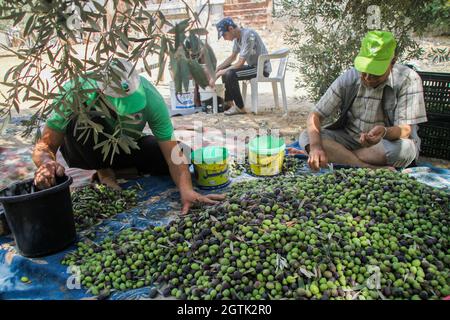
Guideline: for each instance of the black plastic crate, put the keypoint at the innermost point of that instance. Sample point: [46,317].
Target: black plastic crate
[435,138]
[436,90]
[433,152]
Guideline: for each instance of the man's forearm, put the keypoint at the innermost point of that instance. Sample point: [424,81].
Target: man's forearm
[180,176]
[42,153]
[397,132]
[313,127]
[237,65]
[177,163]
[228,61]
[46,148]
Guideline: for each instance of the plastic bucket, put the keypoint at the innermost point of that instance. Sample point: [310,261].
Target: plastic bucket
[212,97]
[266,155]
[41,222]
[183,102]
[4,228]
[211,167]
[208,92]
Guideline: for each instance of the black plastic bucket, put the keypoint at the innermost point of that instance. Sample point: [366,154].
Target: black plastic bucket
[41,221]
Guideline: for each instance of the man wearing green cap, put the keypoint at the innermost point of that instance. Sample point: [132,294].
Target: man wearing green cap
[378,105]
[133,101]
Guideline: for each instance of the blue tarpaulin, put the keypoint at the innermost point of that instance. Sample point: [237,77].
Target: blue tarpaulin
[49,279]
[158,203]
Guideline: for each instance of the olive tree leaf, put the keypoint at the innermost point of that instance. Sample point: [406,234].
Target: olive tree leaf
[123,143]
[180,27]
[101,144]
[105,150]
[100,8]
[179,31]
[18,18]
[210,58]
[162,58]
[307,273]
[194,48]
[4,123]
[174,66]
[184,72]
[198,73]
[89,130]
[163,19]
[281,263]
[95,27]
[29,25]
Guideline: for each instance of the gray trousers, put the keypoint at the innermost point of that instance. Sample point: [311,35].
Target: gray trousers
[399,153]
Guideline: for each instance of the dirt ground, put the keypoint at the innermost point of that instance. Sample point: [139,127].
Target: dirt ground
[268,118]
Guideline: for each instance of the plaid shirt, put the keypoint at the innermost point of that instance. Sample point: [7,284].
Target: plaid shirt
[367,111]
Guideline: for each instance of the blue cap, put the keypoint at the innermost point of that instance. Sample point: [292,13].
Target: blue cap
[222,26]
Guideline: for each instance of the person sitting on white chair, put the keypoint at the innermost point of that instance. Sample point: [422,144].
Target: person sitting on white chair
[249,46]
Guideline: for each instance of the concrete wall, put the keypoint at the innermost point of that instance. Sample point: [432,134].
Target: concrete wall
[255,14]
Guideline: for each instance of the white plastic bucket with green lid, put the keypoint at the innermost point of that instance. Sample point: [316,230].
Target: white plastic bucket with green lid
[266,155]
[211,166]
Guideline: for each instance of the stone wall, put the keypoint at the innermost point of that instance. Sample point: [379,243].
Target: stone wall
[255,14]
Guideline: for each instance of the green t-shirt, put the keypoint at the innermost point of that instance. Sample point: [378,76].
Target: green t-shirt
[155,112]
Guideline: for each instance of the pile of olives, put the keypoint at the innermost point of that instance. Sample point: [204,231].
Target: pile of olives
[94,203]
[347,234]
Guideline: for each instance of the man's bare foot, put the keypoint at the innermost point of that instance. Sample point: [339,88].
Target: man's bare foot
[108,178]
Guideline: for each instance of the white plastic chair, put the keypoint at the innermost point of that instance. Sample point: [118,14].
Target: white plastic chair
[281,54]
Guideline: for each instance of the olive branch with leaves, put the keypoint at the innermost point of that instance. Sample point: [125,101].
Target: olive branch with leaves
[116,29]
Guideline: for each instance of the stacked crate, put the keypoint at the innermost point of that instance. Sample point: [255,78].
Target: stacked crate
[435,134]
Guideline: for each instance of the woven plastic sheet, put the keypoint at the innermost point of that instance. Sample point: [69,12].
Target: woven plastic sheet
[159,202]
[430,175]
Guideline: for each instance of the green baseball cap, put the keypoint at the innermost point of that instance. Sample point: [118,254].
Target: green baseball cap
[377,51]
[123,87]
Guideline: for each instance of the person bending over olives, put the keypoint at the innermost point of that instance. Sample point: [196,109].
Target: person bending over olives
[379,104]
[136,99]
